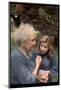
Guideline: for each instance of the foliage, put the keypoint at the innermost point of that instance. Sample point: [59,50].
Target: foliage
[44,18]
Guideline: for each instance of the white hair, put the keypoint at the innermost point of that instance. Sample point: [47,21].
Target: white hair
[23,32]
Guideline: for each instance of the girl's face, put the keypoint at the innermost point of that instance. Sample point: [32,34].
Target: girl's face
[43,48]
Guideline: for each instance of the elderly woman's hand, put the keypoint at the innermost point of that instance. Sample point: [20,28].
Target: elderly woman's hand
[38,61]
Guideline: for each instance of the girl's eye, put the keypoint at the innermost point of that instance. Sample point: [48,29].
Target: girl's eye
[43,46]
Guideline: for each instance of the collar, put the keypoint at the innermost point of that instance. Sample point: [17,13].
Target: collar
[43,55]
[24,53]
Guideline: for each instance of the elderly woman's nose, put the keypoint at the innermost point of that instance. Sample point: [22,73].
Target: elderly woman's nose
[34,42]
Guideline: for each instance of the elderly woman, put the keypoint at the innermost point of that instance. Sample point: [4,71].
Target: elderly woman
[22,69]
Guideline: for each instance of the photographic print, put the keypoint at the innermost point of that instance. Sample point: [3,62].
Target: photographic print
[34,44]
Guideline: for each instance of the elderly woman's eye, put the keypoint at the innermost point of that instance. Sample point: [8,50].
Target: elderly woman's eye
[33,40]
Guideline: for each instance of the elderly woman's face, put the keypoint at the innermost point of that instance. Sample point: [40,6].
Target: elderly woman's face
[30,42]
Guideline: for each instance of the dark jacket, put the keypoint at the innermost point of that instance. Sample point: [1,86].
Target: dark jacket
[47,64]
[21,68]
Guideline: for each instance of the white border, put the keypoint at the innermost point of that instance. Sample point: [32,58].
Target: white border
[4,42]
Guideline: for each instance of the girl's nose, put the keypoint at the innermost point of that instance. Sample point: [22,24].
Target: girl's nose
[42,48]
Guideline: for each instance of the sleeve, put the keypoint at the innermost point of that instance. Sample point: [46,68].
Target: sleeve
[53,70]
[22,74]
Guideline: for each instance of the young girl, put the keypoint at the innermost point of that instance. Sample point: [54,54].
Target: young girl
[48,65]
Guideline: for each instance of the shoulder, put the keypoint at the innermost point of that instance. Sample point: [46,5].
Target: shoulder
[52,61]
[17,56]
[15,52]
